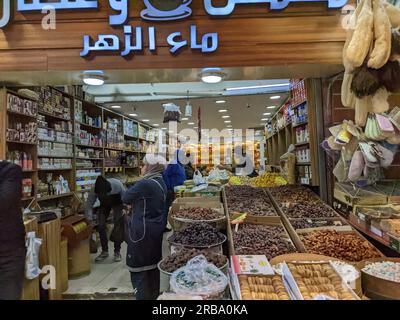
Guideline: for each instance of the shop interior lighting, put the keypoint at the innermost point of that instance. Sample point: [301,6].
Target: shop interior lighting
[116,107]
[93,78]
[133,115]
[212,75]
[146,120]
[220,101]
[226,117]
[275,97]
[266,86]
[223,110]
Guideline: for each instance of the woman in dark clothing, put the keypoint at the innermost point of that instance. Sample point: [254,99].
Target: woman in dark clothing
[146,227]
[12,232]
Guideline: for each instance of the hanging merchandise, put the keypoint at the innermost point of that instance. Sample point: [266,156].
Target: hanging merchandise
[365,82]
[394,15]
[363,106]
[395,53]
[382,37]
[32,270]
[389,76]
[188,108]
[380,101]
[347,95]
[171,112]
[356,166]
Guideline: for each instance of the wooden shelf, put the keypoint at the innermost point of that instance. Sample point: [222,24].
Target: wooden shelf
[299,104]
[114,149]
[303,163]
[131,167]
[130,137]
[90,159]
[88,168]
[47,114]
[20,114]
[24,143]
[44,140]
[22,96]
[29,171]
[88,146]
[27,198]
[55,157]
[61,131]
[130,151]
[67,169]
[300,124]
[89,126]
[47,198]
[302,143]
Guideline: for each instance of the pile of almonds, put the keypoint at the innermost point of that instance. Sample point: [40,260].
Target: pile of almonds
[340,245]
[252,239]
[197,213]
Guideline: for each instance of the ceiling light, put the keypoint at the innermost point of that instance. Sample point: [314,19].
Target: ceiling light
[271,107]
[226,117]
[163,128]
[258,87]
[156,125]
[116,107]
[228,121]
[185,119]
[265,119]
[133,115]
[220,101]
[195,127]
[275,97]
[93,78]
[222,111]
[229,126]
[267,114]
[146,120]
[191,123]
[212,75]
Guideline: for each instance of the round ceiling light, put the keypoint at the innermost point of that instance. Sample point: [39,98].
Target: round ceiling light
[93,77]
[212,75]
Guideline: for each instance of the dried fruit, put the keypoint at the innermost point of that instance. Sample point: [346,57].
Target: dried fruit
[197,235]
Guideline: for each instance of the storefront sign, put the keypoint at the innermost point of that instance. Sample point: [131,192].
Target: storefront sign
[155,10]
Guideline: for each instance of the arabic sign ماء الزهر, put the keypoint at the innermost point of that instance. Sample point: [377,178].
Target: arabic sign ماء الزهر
[155,10]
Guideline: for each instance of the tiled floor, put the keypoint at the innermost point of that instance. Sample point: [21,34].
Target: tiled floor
[108,280]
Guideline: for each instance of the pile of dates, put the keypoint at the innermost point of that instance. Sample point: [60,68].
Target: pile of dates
[246,199]
[307,223]
[293,194]
[182,257]
[252,239]
[197,213]
[310,211]
[197,235]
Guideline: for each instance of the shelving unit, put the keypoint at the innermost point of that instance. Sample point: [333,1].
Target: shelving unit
[294,125]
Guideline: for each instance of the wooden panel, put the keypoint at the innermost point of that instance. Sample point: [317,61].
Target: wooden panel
[252,36]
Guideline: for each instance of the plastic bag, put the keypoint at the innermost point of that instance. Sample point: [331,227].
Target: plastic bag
[198,178]
[213,175]
[32,256]
[200,278]
[171,112]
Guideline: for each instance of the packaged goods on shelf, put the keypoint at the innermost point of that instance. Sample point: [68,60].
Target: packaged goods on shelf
[55,103]
[300,114]
[132,161]
[114,139]
[302,134]
[132,145]
[27,188]
[88,153]
[63,126]
[86,179]
[303,155]
[80,163]
[52,163]
[54,185]
[142,132]
[23,106]
[246,199]
[22,159]
[112,158]
[88,139]
[19,132]
[130,128]
[56,136]
[46,148]
[82,116]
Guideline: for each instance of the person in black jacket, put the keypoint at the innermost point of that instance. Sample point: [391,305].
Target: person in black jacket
[146,227]
[12,232]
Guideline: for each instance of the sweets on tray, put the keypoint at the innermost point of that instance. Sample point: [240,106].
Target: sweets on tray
[197,235]
[262,288]
[341,245]
[196,213]
[386,270]
[246,199]
[252,239]
[319,279]
[310,210]
[182,257]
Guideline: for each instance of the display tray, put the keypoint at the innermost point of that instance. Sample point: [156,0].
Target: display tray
[262,287]
[377,288]
[347,195]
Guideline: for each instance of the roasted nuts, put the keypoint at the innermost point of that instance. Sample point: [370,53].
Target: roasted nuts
[197,213]
[340,245]
[197,235]
[252,239]
[182,257]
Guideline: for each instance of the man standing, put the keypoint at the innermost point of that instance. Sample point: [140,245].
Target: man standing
[109,193]
[12,232]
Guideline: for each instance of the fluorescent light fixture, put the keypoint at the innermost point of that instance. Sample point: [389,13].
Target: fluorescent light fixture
[133,114]
[220,101]
[222,111]
[228,121]
[226,117]
[195,127]
[271,107]
[191,123]
[156,125]
[93,77]
[164,129]
[258,87]
[185,119]
[212,75]
[146,120]
[267,114]
[229,126]
[116,107]
[265,119]
[275,97]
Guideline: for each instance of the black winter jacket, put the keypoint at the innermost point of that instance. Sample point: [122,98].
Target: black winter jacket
[12,230]
[147,223]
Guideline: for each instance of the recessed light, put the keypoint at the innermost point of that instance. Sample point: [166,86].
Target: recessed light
[133,115]
[156,125]
[212,75]
[222,111]
[191,123]
[185,119]
[163,128]
[228,121]
[195,127]
[275,97]
[271,107]
[220,101]
[93,77]
[265,119]
[146,120]
[116,107]
[267,114]
[229,126]
[226,117]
